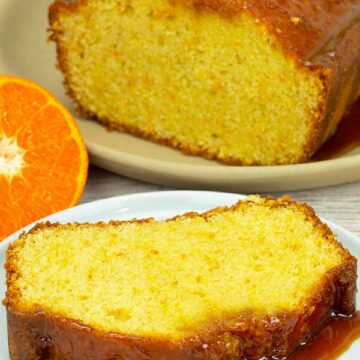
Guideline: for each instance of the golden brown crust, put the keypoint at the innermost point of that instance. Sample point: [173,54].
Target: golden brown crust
[323,37]
[42,335]
[300,26]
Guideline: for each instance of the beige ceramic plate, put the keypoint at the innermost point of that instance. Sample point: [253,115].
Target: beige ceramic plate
[25,52]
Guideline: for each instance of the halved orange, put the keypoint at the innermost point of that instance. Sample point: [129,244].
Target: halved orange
[43,159]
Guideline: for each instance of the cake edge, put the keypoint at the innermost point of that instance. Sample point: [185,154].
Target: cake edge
[33,330]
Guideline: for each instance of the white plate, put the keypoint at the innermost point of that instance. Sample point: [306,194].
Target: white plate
[25,52]
[160,205]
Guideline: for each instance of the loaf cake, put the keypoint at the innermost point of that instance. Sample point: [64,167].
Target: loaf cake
[244,82]
[247,282]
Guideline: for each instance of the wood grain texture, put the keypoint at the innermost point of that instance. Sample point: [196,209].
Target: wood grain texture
[340,204]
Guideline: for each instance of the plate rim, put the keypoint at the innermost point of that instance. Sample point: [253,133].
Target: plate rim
[130,158]
[111,200]
[147,194]
[219,177]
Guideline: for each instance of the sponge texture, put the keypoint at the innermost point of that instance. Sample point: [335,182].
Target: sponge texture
[207,84]
[173,279]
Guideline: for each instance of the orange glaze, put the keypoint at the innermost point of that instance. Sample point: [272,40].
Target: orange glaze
[334,340]
[346,137]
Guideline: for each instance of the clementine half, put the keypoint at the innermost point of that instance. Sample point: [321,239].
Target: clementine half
[43,159]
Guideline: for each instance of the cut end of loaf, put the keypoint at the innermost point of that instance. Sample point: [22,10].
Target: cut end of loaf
[191,78]
[178,278]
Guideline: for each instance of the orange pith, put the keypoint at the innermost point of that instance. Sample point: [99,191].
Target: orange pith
[43,160]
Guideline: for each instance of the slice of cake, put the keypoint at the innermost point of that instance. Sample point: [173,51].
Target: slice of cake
[247,282]
[243,82]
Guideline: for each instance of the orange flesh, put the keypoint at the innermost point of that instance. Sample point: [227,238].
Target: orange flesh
[43,160]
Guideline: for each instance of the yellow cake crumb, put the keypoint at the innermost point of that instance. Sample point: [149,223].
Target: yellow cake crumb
[169,279]
[191,79]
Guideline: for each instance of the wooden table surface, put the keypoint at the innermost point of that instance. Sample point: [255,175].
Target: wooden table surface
[340,204]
